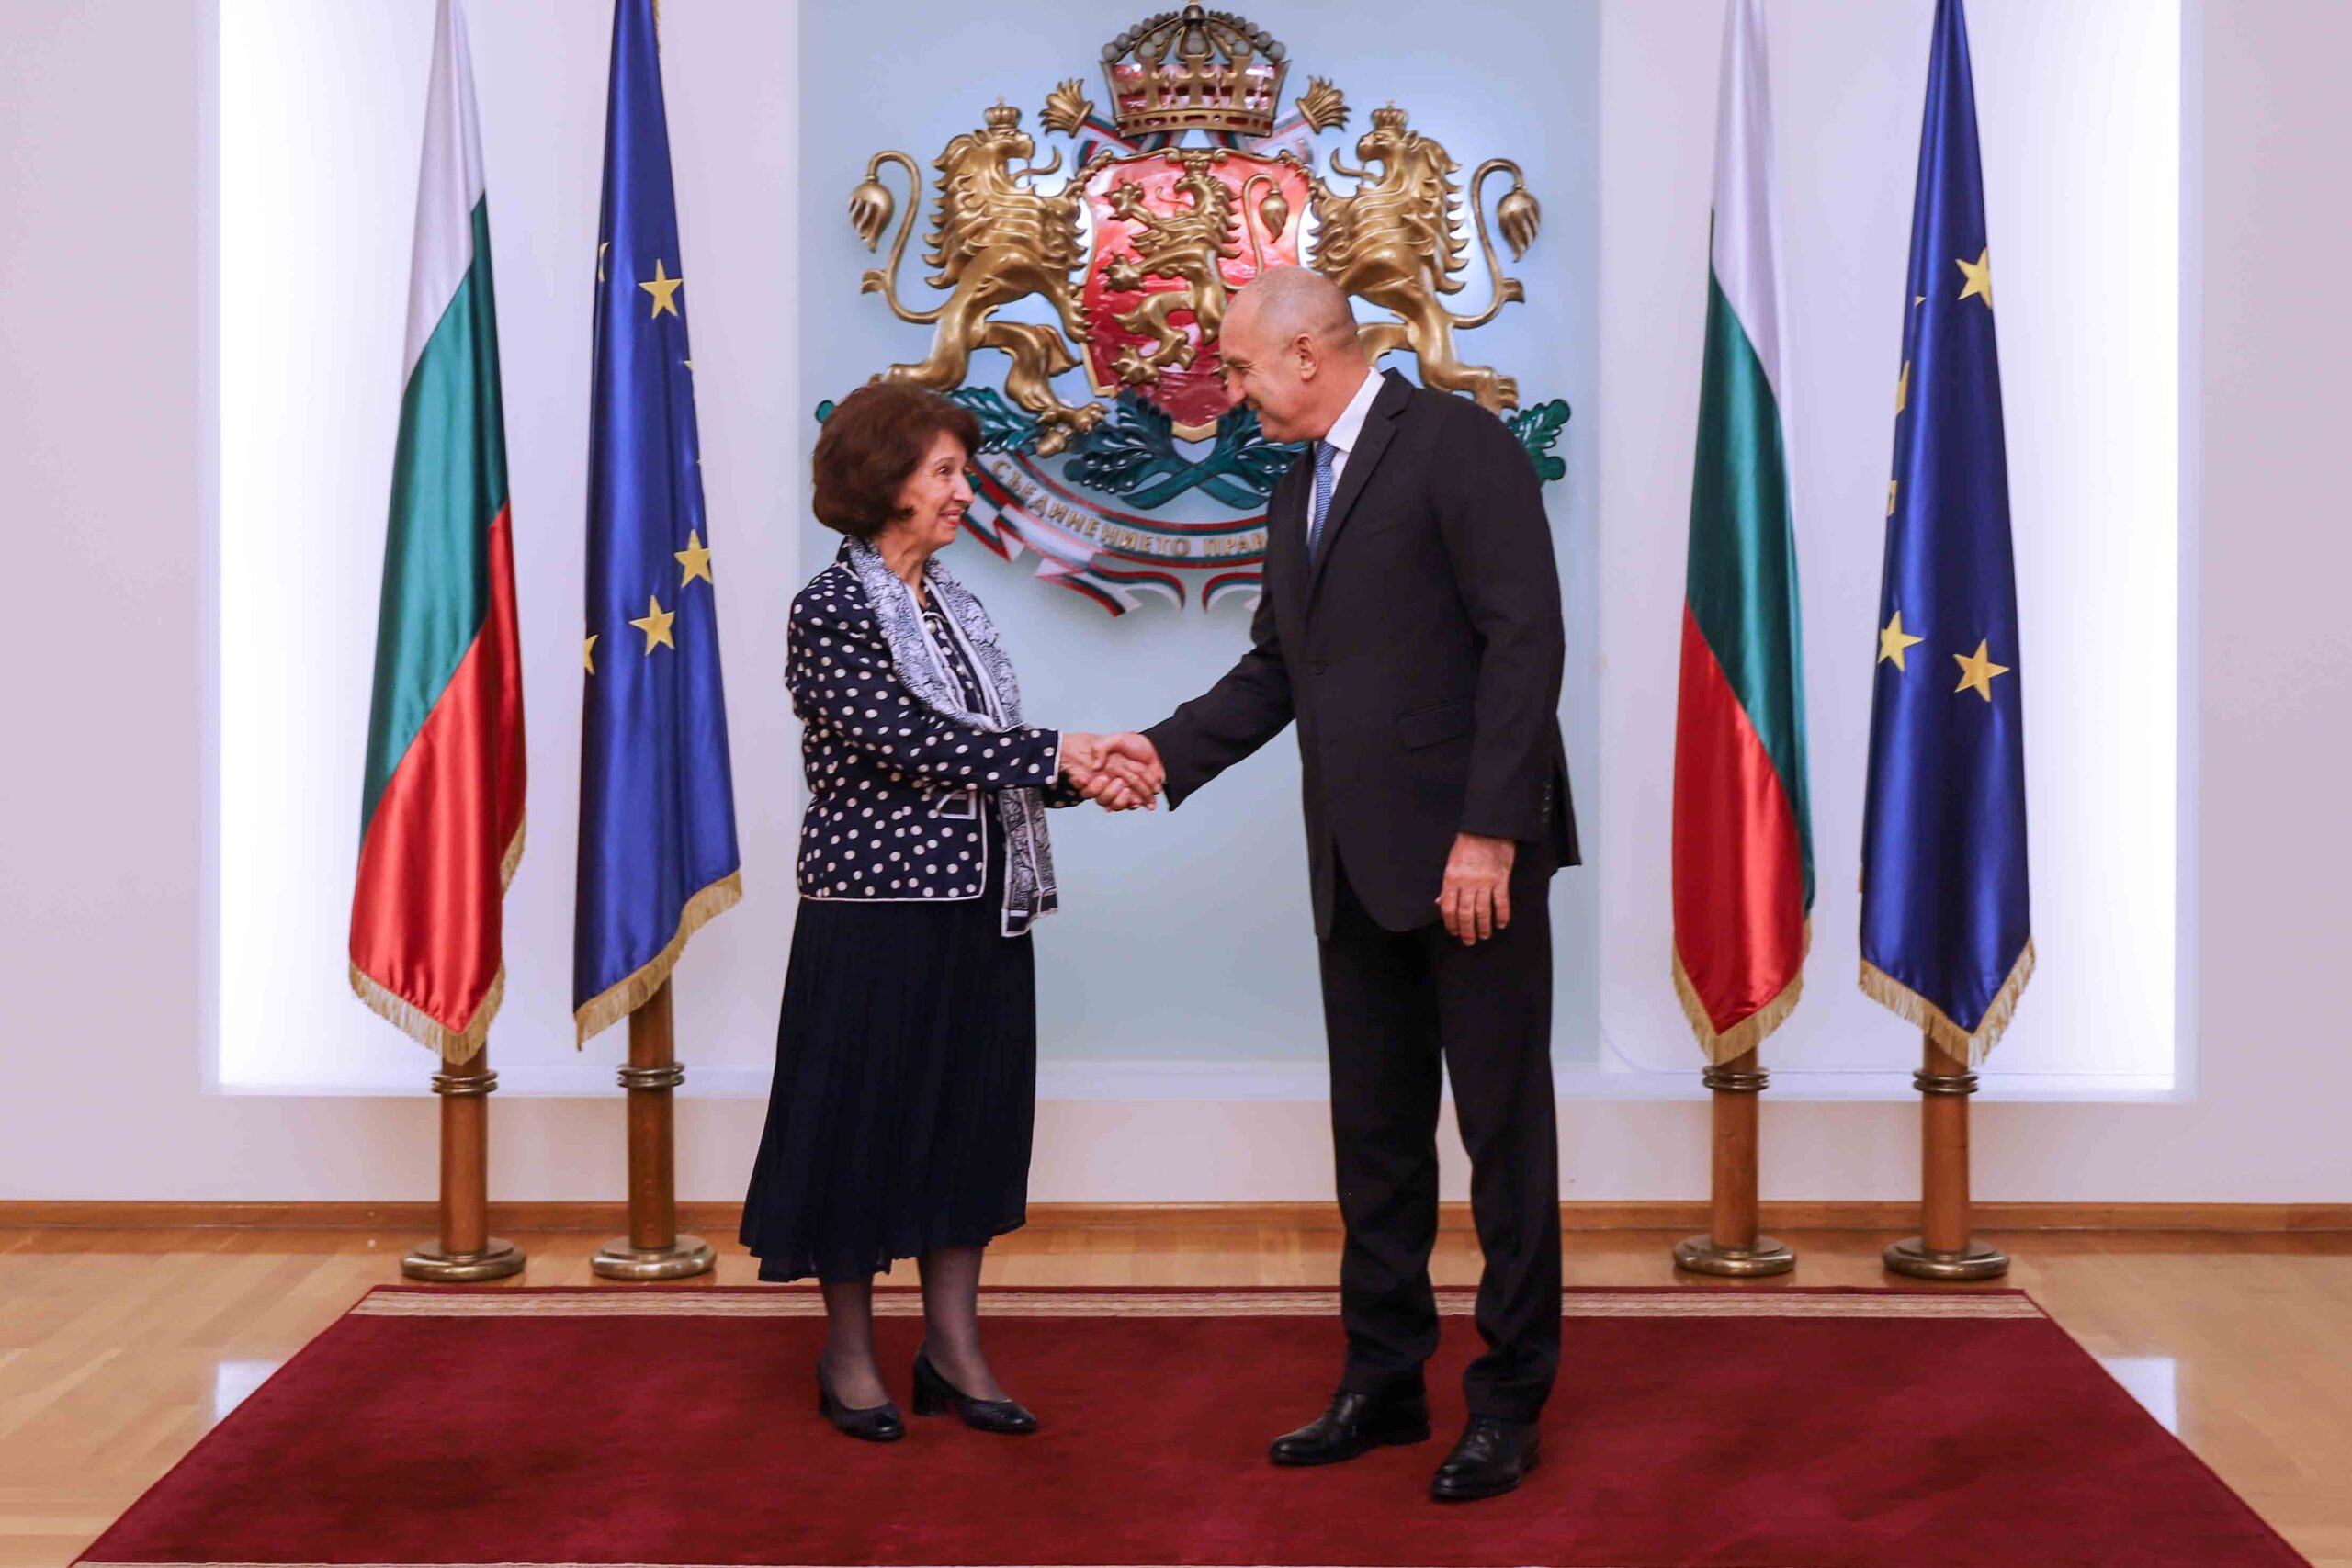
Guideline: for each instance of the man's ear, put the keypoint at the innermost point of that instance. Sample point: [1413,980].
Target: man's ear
[1309,355]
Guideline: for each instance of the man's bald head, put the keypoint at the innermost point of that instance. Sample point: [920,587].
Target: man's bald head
[1291,352]
[1288,303]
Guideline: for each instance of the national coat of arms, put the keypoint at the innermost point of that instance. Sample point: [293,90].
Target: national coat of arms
[1120,271]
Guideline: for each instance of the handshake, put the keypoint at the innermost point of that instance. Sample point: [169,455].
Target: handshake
[1118,773]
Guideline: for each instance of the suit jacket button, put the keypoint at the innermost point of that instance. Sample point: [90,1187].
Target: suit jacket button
[1316,666]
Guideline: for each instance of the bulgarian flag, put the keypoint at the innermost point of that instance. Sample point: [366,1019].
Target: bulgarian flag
[441,809]
[1743,834]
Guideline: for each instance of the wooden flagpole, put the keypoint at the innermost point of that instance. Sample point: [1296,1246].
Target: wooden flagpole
[1943,1250]
[653,1249]
[1732,1247]
[466,1252]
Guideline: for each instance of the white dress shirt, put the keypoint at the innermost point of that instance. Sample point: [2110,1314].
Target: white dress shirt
[1350,424]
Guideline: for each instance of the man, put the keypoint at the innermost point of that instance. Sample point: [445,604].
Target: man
[1410,624]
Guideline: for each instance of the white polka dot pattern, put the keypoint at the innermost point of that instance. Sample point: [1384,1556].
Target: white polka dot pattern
[900,795]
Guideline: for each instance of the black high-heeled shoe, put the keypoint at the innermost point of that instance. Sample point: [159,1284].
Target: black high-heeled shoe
[934,1395]
[874,1424]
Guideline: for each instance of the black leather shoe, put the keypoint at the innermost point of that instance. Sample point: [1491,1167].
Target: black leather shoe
[874,1424]
[1493,1457]
[934,1395]
[1355,1423]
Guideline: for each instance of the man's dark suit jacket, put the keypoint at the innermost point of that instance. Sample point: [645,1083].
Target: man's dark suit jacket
[1419,652]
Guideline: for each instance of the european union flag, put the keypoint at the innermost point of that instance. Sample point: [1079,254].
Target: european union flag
[1945,937]
[656,809]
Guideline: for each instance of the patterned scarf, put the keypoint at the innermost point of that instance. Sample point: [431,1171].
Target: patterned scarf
[1029,892]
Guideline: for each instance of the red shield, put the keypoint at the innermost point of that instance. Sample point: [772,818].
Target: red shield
[1175,233]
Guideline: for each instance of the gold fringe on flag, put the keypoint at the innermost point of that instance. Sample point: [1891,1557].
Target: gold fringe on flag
[1749,1032]
[513,858]
[1954,1040]
[600,1012]
[455,1045]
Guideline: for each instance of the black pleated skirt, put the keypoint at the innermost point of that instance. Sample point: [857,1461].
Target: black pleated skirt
[906,1087]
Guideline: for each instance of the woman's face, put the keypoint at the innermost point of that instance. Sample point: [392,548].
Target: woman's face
[935,497]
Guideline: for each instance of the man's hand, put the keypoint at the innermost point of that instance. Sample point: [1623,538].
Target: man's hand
[1476,899]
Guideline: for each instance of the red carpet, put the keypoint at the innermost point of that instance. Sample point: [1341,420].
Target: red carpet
[1698,1427]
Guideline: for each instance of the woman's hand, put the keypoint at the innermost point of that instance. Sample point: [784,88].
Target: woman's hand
[1082,756]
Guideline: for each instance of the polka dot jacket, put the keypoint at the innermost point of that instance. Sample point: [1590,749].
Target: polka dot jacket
[903,797]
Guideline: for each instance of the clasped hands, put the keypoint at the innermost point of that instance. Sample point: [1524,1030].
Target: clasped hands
[1118,773]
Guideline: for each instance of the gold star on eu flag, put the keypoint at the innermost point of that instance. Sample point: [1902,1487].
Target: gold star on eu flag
[694,560]
[1892,642]
[656,625]
[588,654]
[1976,672]
[1979,274]
[664,290]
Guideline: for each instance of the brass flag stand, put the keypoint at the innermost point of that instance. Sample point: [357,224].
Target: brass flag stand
[1732,1247]
[466,1252]
[652,1250]
[1943,1250]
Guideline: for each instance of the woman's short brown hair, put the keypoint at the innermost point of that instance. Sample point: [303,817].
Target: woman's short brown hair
[871,442]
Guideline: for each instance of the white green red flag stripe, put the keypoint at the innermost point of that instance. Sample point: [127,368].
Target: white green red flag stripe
[441,809]
[1743,831]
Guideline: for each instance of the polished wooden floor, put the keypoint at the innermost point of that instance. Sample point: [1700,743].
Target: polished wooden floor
[119,1349]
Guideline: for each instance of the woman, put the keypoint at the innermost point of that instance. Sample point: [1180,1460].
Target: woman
[900,1120]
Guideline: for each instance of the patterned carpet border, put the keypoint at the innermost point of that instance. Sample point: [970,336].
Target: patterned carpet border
[1669,1302]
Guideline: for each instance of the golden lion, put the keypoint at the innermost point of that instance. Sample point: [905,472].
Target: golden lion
[1391,242]
[995,241]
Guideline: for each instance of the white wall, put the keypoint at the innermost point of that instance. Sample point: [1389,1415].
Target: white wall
[323,107]
[102,444]
[2078,106]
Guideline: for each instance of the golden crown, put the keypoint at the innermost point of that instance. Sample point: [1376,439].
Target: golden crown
[1004,116]
[1195,70]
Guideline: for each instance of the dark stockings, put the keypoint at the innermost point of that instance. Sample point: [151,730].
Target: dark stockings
[951,1302]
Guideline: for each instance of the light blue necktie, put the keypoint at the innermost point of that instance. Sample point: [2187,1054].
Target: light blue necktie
[1324,453]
